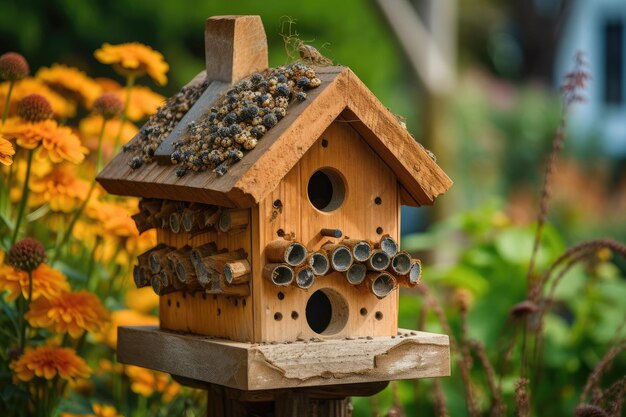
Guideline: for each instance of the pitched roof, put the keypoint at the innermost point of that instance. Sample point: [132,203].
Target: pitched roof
[247,182]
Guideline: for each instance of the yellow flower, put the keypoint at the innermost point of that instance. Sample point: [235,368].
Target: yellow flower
[142,300]
[99,410]
[71,312]
[70,81]
[146,382]
[6,152]
[61,107]
[90,127]
[125,318]
[58,142]
[143,102]
[47,282]
[106,366]
[48,362]
[115,219]
[61,188]
[134,59]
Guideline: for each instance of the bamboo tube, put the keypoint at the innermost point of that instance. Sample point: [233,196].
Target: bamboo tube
[305,277]
[150,205]
[380,283]
[210,216]
[319,262]
[340,257]
[278,274]
[142,221]
[361,250]
[292,253]
[242,290]
[401,263]
[237,272]
[415,273]
[175,222]
[162,217]
[201,251]
[336,233]
[192,217]
[157,258]
[161,285]
[233,220]
[379,261]
[356,273]
[140,276]
[388,245]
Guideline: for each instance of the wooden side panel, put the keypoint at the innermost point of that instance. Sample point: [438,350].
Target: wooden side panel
[280,312]
[206,314]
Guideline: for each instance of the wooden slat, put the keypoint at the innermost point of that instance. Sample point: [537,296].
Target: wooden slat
[247,366]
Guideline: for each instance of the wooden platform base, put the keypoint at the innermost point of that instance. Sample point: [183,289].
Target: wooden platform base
[254,366]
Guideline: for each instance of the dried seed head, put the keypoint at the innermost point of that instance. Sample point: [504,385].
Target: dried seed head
[269,120]
[108,105]
[34,108]
[463,299]
[301,96]
[523,309]
[26,255]
[13,67]
[586,410]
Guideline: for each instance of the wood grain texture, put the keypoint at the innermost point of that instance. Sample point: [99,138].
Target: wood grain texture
[366,176]
[261,170]
[247,366]
[217,315]
[235,46]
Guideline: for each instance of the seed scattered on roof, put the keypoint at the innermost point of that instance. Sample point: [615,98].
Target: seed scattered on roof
[234,124]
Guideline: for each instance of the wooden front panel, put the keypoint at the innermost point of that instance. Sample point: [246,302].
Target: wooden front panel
[215,315]
[360,217]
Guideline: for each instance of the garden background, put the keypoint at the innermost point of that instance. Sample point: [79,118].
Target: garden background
[492,132]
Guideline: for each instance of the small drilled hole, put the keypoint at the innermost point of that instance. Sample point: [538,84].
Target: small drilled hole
[204,296]
[277,204]
[184,295]
[278,316]
[363,311]
[243,302]
[378,201]
[169,303]
[280,233]
[294,315]
[379,230]
[219,311]
[378,315]
[177,304]
[215,296]
[324,143]
[280,295]
[236,302]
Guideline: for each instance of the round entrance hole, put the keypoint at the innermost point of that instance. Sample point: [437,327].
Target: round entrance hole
[326,312]
[326,190]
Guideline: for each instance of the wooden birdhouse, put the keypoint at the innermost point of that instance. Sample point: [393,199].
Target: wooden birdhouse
[276,198]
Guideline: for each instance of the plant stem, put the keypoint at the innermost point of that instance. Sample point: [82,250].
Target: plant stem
[24,200]
[23,305]
[130,83]
[5,112]
[79,212]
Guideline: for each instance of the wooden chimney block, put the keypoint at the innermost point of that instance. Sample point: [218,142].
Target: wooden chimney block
[235,46]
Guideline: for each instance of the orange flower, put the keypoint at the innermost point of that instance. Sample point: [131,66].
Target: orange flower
[49,362]
[47,282]
[143,102]
[145,382]
[6,152]
[115,219]
[90,127]
[99,410]
[134,59]
[125,318]
[70,81]
[58,142]
[61,188]
[71,312]
[60,105]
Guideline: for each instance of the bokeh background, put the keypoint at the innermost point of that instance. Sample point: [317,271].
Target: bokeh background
[481,90]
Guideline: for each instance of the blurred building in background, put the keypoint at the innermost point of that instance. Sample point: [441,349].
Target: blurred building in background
[596,27]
